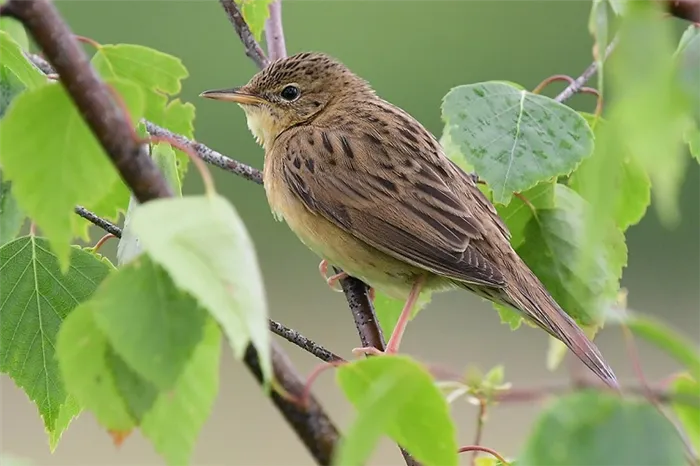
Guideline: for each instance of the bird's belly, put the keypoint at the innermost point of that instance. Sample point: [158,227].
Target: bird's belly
[380,271]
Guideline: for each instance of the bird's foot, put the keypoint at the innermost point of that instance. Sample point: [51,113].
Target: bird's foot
[333,279]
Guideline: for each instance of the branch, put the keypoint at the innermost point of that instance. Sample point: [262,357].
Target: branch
[208,155]
[587,74]
[112,128]
[274,33]
[304,343]
[100,222]
[252,48]
[277,328]
[684,9]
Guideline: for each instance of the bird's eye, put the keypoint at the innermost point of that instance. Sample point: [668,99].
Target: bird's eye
[290,93]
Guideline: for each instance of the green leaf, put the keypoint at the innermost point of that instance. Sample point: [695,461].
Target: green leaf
[10,87]
[11,216]
[16,31]
[121,400]
[255,13]
[34,301]
[153,326]
[396,396]
[687,57]
[518,213]
[651,110]
[68,164]
[509,316]
[69,411]
[179,118]
[206,249]
[82,354]
[598,27]
[389,309]
[164,157]
[553,239]
[513,138]
[613,182]
[662,336]
[692,138]
[452,151]
[595,428]
[174,421]
[15,61]
[159,75]
[684,386]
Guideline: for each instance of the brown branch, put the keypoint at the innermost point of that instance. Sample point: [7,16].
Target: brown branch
[252,48]
[92,96]
[111,127]
[208,155]
[684,9]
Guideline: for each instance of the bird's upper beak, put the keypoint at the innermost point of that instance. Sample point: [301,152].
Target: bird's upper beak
[236,94]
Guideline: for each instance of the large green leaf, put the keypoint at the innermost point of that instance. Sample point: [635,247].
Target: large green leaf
[594,428]
[10,87]
[153,326]
[121,399]
[513,138]
[35,298]
[396,396]
[15,30]
[553,239]
[613,181]
[159,75]
[688,414]
[651,110]
[687,58]
[205,247]
[68,165]
[15,61]
[518,213]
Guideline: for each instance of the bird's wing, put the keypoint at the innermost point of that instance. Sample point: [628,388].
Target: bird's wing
[403,196]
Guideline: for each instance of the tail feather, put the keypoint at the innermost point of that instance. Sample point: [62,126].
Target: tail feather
[526,293]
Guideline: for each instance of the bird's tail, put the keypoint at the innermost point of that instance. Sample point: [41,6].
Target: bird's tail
[525,292]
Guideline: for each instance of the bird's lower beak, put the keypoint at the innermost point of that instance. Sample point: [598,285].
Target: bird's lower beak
[233,95]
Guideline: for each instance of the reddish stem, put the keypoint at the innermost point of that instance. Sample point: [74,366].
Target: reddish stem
[102,241]
[550,80]
[483,449]
[318,370]
[87,40]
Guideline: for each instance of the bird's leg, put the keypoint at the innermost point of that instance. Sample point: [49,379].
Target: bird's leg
[333,279]
[392,347]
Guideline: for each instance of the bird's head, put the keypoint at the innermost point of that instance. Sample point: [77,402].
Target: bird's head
[292,91]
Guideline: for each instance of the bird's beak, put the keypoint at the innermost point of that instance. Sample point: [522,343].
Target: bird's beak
[235,94]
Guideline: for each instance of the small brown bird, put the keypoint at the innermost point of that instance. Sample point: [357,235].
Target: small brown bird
[366,187]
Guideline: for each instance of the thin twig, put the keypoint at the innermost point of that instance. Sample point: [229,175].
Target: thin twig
[274,33]
[94,101]
[587,74]
[252,48]
[205,153]
[304,343]
[100,222]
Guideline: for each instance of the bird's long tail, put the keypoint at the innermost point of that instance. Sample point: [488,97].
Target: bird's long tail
[525,292]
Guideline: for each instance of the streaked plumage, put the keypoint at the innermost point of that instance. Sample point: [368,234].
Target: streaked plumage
[369,189]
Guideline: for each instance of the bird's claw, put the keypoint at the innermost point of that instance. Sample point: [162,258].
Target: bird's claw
[333,279]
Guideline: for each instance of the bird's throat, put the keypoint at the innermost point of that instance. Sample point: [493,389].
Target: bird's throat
[261,124]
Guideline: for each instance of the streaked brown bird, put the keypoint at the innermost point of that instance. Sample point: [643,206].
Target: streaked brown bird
[367,188]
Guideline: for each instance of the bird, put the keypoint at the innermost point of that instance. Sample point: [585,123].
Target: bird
[369,189]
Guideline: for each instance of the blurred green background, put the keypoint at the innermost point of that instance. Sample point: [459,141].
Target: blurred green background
[413,52]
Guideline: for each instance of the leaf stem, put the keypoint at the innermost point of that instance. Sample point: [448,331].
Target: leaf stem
[488,450]
[88,41]
[102,241]
[204,172]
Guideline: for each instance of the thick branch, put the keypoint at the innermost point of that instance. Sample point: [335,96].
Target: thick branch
[274,33]
[92,96]
[252,48]
[94,100]
[684,9]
